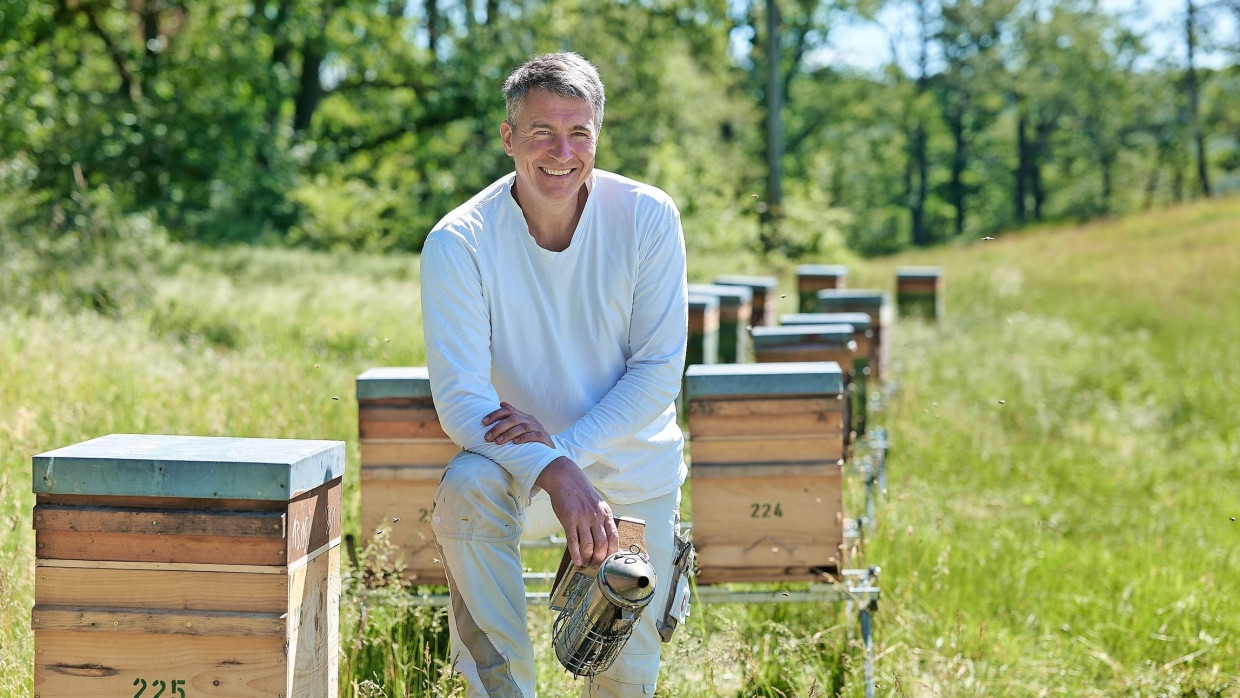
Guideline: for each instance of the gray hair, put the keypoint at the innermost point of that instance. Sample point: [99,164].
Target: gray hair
[566,74]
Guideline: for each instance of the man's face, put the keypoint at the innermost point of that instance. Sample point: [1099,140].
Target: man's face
[552,145]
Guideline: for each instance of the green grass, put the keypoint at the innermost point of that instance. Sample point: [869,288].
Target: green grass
[1062,485]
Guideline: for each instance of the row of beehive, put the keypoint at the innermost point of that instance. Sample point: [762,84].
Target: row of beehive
[210,566]
[768,443]
[727,317]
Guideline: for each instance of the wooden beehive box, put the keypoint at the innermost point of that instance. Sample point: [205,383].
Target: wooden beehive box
[876,304]
[703,347]
[919,292]
[805,343]
[735,307]
[812,278]
[404,451]
[763,306]
[863,356]
[182,566]
[766,451]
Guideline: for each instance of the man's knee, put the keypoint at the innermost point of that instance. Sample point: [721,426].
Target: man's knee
[476,499]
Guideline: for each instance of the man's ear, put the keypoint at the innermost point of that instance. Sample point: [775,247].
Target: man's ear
[505,135]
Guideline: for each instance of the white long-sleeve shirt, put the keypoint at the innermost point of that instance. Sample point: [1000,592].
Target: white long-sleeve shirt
[590,340]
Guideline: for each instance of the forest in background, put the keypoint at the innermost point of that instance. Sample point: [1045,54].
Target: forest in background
[358,123]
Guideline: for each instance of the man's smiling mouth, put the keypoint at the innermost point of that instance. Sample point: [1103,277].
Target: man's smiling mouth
[555,173]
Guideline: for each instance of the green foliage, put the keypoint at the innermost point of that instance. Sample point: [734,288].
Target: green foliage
[355,124]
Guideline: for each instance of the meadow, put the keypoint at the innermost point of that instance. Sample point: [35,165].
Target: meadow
[1063,490]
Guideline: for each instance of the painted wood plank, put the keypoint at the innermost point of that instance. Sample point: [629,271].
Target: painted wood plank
[207,467]
[407,451]
[41,563]
[412,427]
[764,406]
[258,524]
[107,665]
[159,621]
[821,448]
[723,418]
[162,589]
[131,547]
[86,500]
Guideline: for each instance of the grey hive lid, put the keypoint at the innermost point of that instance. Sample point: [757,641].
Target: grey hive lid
[919,272]
[822,270]
[394,381]
[859,321]
[209,467]
[729,296]
[783,334]
[698,301]
[790,378]
[852,296]
[755,283]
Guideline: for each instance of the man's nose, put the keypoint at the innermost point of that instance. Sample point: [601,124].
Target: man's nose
[562,149]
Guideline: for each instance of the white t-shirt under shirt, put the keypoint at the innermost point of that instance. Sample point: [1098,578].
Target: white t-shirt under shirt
[590,340]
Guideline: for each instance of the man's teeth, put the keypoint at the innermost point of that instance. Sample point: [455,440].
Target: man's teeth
[557,173]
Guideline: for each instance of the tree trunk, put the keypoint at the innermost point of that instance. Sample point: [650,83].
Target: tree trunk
[432,25]
[1194,100]
[1019,195]
[959,159]
[310,86]
[774,131]
[920,165]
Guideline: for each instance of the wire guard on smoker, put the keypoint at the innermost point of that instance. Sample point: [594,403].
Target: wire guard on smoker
[600,617]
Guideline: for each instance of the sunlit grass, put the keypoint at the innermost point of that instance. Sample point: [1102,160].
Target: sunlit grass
[1062,484]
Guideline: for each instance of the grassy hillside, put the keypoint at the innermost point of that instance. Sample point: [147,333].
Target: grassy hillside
[1063,484]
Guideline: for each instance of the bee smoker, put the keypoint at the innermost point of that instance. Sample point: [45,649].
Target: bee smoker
[601,611]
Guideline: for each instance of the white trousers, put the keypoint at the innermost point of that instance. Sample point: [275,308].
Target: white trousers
[479,519]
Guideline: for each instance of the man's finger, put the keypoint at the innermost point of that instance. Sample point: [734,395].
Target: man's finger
[508,424]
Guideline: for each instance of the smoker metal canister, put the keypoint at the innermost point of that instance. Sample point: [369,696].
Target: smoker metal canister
[590,633]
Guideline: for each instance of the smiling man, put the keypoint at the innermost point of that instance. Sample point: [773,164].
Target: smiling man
[555,315]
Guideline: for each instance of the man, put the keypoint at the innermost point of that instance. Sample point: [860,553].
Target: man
[555,316]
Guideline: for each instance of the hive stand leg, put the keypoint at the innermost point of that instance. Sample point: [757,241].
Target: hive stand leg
[867,641]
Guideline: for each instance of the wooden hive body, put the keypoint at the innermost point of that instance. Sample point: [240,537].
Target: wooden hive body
[187,566]
[763,289]
[735,310]
[806,343]
[703,339]
[877,305]
[766,451]
[404,451]
[863,356]
[919,292]
[812,278]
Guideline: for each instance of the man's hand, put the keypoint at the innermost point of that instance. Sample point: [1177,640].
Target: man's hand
[511,425]
[585,515]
